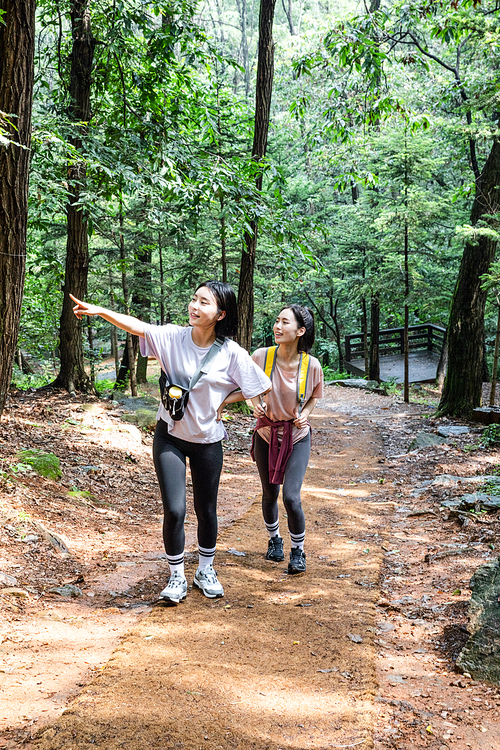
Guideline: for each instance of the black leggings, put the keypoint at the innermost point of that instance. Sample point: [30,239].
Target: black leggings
[205,462]
[292,483]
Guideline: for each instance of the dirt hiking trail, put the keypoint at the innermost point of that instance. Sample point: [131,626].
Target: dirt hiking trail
[276,662]
[358,652]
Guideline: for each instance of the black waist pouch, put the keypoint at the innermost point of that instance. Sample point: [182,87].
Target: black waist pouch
[173,397]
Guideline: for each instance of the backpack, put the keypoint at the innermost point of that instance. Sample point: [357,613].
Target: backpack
[305,361]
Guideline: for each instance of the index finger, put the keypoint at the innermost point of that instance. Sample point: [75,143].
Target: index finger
[78,302]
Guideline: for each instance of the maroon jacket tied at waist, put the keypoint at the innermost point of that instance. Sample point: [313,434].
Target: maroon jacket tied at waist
[278,454]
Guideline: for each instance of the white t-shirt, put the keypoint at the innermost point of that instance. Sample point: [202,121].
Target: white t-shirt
[179,357]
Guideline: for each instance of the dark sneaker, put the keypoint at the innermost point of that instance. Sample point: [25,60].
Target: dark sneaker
[275,549]
[297,562]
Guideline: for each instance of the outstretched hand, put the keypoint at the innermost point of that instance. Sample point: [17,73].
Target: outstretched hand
[83,308]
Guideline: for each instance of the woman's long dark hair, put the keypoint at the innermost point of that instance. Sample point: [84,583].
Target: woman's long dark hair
[305,319]
[226,302]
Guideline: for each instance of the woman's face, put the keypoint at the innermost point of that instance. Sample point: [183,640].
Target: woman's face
[203,310]
[286,329]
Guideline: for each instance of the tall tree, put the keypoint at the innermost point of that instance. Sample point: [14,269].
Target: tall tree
[72,375]
[263,95]
[17,45]
[463,383]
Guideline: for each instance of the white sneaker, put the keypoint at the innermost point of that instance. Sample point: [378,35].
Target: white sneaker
[206,580]
[176,589]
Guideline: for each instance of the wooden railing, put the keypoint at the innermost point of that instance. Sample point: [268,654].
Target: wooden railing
[427,337]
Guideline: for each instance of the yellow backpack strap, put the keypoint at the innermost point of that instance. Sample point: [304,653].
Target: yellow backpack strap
[305,361]
[270,361]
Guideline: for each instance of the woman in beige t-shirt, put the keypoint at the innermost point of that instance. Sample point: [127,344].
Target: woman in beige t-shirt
[282,437]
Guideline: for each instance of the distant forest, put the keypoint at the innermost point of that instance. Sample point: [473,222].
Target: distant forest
[344,155]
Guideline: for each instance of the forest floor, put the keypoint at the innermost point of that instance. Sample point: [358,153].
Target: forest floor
[358,652]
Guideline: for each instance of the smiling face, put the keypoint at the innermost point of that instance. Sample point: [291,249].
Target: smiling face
[203,310]
[286,329]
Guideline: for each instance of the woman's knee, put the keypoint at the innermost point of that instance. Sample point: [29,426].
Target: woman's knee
[174,516]
[293,505]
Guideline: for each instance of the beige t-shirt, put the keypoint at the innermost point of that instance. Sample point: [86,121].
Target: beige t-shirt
[282,400]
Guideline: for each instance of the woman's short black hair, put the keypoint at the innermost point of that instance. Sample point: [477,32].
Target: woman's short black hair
[305,319]
[226,302]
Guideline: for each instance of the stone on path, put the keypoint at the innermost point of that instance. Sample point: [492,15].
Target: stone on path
[355,383]
[6,580]
[68,589]
[425,440]
[453,430]
[141,409]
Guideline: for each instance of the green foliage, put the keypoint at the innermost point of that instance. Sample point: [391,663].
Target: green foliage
[104,386]
[491,436]
[45,464]
[370,137]
[240,407]
[25,382]
[330,374]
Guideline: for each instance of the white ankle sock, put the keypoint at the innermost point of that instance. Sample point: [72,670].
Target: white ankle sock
[205,557]
[176,564]
[298,540]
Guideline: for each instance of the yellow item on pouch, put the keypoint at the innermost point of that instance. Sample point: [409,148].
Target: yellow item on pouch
[174,392]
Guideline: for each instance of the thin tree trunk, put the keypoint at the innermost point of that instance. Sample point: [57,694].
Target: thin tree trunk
[364,328]
[374,371]
[338,338]
[242,10]
[495,362]
[114,335]
[407,283]
[90,337]
[463,384]
[263,94]
[141,302]
[17,45]
[288,8]
[162,284]
[223,232]
[443,362]
[72,375]
[129,346]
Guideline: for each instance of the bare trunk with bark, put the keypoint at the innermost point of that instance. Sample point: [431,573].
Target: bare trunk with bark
[17,45]
[72,375]
[463,384]
[263,94]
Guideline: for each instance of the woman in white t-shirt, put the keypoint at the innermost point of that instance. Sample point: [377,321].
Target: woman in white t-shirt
[282,437]
[197,435]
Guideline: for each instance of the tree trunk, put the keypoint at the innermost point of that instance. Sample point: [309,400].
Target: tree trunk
[242,10]
[495,362]
[288,8]
[72,375]
[374,371]
[92,357]
[364,328]
[17,45]
[406,352]
[338,338]
[463,384]
[443,363]
[130,349]
[263,94]
[141,302]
